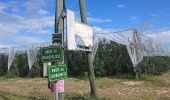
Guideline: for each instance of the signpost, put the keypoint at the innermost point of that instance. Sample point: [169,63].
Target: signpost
[52,53]
[57,72]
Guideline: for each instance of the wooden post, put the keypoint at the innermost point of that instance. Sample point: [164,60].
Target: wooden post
[90,56]
[59,29]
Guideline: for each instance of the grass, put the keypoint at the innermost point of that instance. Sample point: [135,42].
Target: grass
[162,80]
[108,88]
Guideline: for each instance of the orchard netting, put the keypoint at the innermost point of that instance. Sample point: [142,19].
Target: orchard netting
[137,45]
[31,50]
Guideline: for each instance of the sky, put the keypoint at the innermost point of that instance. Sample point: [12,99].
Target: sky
[24,22]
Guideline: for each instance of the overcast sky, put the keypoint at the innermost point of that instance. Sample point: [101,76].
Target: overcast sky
[25,22]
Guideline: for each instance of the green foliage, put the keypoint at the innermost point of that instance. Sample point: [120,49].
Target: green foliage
[37,68]
[3,64]
[155,65]
[13,71]
[77,63]
[10,75]
[111,59]
[22,64]
[20,67]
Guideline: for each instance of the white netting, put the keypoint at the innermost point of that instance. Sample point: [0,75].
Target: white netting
[32,55]
[137,44]
[32,51]
[11,56]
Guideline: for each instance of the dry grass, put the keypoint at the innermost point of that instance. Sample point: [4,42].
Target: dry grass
[153,88]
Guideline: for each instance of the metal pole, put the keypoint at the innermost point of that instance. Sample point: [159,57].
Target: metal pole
[90,56]
[56,92]
[59,29]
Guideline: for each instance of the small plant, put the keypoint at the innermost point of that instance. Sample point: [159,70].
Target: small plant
[37,95]
[10,75]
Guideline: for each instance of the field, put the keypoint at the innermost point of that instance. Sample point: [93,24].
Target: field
[108,88]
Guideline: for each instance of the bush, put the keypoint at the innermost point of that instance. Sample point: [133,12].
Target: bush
[155,65]
[22,65]
[77,63]
[3,64]
[37,68]
[111,59]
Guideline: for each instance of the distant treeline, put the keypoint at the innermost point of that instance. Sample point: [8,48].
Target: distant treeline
[111,59]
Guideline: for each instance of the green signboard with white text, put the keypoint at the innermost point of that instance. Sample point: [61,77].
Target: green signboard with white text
[57,72]
[52,53]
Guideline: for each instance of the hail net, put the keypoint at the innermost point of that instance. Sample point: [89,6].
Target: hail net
[137,44]
[11,56]
[32,55]
[31,51]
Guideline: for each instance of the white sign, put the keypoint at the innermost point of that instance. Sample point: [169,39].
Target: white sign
[79,35]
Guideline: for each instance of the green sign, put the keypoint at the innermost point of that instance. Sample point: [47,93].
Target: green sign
[57,72]
[52,53]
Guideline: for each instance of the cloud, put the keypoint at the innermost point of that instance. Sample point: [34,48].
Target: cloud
[43,12]
[121,6]
[133,17]
[92,19]
[28,39]
[155,15]
[2,7]
[13,23]
[21,40]
[100,30]
[146,27]
[89,14]
[104,30]
[158,14]
[163,36]
[37,24]
[25,23]
[98,20]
